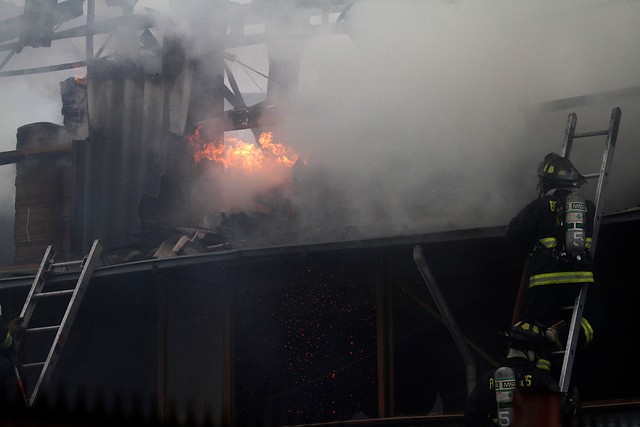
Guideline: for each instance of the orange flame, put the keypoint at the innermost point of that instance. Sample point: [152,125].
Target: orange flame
[280,153]
[235,153]
[79,75]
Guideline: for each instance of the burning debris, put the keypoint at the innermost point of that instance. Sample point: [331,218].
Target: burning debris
[73,92]
[257,184]
[251,184]
[235,153]
[274,220]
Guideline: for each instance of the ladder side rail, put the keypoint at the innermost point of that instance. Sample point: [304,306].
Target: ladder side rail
[54,353]
[612,134]
[576,318]
[572,339]
[610,144]
[569,132]
[36,287]
[447,317]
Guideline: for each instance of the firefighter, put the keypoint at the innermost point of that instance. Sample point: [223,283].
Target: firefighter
[536,396]
[558,242]
[10,393]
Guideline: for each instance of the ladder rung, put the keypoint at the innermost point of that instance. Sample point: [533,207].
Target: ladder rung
[591,175]
[33,365]
[568,307]
[67,263]
[592,133]
[44,328]
[54,293]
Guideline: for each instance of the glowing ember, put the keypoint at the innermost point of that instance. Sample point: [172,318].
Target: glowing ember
[79,74]
[235,153]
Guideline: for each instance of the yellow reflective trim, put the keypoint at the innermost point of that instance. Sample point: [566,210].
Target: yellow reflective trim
[549,242]
[7,342]
[588,243]
[587,329]
[561,277]
[543,364]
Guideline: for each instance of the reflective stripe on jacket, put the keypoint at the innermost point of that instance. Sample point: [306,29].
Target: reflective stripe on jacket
[535,230]
[552,242]
[560,277]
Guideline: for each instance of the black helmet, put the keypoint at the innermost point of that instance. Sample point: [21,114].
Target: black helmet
[527,335]
[558,171]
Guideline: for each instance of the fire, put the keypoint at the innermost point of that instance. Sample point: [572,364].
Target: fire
[79,76]
[281,154]
[235,153]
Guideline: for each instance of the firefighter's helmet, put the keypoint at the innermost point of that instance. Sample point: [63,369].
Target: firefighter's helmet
[557,171]
[527,334]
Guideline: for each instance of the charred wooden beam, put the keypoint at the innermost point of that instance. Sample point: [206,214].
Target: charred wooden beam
[15,156]
[34,16]
[47,69]
[244,118]
[137,21]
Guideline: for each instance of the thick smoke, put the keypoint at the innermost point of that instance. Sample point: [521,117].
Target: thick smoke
[427,115]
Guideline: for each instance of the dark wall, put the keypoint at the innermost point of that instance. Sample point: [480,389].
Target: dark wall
[304,332]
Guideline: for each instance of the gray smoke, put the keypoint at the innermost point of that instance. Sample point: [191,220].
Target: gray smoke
[427,115]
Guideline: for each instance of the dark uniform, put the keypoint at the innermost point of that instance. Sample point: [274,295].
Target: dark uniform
[481,408]
[10,394]
[553,282]
[554,277]
[537,397]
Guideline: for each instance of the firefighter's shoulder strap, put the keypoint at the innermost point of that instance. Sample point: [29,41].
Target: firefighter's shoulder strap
[611,134]
[47,289]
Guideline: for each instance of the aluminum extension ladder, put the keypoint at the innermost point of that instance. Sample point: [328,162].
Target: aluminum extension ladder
[611,134]
[40,337]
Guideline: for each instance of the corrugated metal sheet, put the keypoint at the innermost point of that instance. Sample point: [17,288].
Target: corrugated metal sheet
[125,152]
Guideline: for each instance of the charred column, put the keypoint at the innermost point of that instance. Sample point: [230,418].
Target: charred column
[73,92]
[43,193]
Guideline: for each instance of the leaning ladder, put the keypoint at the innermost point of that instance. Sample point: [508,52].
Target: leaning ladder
[603,175]
[40,336]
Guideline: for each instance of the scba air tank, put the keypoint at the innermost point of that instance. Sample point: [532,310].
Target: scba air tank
[575,223]
[505,383]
